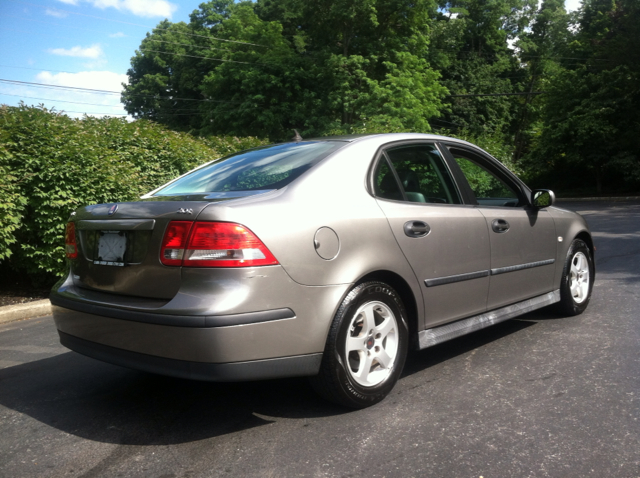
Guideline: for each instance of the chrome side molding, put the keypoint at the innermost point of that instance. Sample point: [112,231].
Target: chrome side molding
[455,278]
[437,335]
[520,267]
[476,275]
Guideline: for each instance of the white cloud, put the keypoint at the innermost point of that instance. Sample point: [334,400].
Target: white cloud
[94,51]
[117,35]
[56,13]
[95,80]
[141,8]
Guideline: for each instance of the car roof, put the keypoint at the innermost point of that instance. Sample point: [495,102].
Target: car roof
[386,136]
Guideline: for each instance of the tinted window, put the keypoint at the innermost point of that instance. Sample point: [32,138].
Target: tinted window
[386,185]
[488,188]
[271,167]
[422,174]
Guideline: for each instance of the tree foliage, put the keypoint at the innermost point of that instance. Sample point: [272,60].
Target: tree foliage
[553,91]
[591,116]
[315,65]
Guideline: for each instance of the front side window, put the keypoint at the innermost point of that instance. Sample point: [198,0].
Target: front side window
[270,167]
[488,188]
[415,173]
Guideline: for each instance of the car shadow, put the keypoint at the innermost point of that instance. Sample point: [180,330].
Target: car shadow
[106,403]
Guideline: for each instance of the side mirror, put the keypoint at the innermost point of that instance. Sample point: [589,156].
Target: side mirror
[542,198]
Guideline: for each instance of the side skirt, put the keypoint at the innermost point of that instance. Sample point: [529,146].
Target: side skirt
[437,335]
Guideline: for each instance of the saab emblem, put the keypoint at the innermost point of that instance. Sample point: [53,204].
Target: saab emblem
[113,209]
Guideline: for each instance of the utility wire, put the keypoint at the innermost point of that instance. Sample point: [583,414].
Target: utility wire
[93,113]
[106,33]
[60,101]
[190,46]
[40,69]
[191,110]
[498,94]
[201,57]
[108,92]
[138,24]
[56,24]
[43,85]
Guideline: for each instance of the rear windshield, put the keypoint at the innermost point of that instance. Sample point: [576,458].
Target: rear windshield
[270,167]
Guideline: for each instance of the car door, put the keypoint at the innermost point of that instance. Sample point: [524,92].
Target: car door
[523,238]
[446,242]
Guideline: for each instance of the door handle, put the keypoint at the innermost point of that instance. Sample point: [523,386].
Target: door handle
[500,225]
[416,228]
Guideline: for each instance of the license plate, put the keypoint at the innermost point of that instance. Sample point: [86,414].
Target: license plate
[111,248]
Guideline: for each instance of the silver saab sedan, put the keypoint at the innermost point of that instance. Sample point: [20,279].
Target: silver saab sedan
[326,258]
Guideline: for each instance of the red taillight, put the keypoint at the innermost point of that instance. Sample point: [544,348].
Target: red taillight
[175,242]
[70,245]
[213,244]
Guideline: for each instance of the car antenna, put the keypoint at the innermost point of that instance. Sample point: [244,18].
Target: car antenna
[297,138]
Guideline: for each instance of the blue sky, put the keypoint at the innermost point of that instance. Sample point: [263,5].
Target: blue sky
[49,44]
[76,43]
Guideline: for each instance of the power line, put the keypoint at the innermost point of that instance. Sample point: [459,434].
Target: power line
[138,24]
[43,85]
[499,94]
[201,57]
[106,33]
[94,113]
[59,101]
[40,69]
[188,45]
[57,24]
[31,32]
[108,92]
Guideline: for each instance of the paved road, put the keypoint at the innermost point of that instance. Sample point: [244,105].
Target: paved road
[534,397]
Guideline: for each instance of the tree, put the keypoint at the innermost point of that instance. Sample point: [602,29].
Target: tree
[592,111]
[470,46]
[314,65]
[541,50]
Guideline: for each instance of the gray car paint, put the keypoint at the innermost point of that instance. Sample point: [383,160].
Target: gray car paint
[333,194]
[531,238]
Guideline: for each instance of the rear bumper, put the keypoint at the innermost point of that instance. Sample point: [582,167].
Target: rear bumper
[297,366]
[133,332]
[254,327]
[205,321]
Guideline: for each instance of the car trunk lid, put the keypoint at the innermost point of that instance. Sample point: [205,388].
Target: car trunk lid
[119,245]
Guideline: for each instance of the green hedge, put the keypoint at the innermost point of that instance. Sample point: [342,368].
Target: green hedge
[51,164]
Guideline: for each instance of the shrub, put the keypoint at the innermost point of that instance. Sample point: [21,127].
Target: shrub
[52,164]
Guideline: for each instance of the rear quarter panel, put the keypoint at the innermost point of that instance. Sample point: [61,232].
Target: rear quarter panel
[333,194]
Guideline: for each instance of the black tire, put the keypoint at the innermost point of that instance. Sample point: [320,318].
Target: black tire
[577,280]
[365,374]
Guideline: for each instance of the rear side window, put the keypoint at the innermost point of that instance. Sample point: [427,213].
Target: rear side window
[415,173]
[271,167]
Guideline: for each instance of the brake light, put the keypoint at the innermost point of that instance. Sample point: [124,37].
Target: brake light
[70,245]
[175,242]
[213,244]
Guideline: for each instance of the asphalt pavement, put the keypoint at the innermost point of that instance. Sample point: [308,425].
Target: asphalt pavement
[537,396]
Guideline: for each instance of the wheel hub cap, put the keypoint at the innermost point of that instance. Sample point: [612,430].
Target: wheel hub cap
[369,343]
[579,278]
[372,343]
